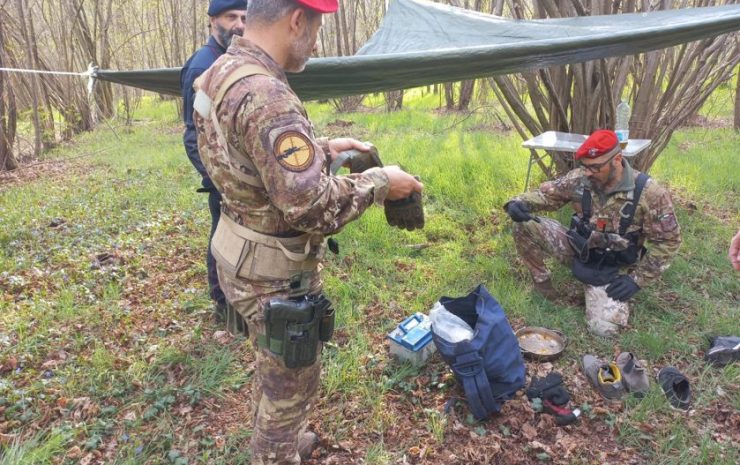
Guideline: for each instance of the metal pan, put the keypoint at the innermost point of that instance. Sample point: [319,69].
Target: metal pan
[541,344]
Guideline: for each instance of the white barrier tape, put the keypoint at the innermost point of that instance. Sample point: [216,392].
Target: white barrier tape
[89,72]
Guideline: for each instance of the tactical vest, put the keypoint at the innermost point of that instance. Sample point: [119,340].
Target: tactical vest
[600,266]
[241,251]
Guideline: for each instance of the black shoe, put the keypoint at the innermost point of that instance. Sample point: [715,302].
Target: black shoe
[676,387]
[723,350]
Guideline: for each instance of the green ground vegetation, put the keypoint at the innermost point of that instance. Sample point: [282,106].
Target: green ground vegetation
[107,350]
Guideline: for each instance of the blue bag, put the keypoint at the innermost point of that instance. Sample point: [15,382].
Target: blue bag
[490,366]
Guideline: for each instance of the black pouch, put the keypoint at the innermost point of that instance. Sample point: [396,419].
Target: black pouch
[326,326]
[594,272]
[292,331]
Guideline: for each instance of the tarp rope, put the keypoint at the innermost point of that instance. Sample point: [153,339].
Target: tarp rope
[90,74]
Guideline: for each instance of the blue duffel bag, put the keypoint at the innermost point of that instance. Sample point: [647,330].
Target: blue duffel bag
[489,366]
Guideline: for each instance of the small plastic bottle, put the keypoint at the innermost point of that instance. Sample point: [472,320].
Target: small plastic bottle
[622,125]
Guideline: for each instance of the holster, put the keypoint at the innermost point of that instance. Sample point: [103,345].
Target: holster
[253,256]
[294,327]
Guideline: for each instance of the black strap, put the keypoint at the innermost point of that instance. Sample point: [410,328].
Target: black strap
[627,213]
[469,368]
[586,206]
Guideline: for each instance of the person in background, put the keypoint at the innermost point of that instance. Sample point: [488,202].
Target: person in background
[280,201]
[623,235]
[734,253]
[226,19]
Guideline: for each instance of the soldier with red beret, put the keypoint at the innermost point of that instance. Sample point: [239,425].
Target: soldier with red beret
[280,200]
[623,234]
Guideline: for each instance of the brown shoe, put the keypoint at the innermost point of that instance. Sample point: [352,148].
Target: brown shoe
[546,290]
[307,443]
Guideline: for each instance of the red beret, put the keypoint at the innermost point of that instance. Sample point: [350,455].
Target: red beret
[601,142]
[322,6]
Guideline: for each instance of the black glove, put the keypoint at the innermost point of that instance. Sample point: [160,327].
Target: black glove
[549,388]
[622,288]
[405,213]
[518,211]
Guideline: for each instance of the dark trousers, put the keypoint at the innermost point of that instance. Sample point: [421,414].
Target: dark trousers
[214,205]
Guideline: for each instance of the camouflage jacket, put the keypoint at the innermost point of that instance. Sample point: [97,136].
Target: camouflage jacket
[265,122]
[654,217]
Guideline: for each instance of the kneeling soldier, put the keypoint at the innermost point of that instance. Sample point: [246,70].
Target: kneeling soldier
[622,236]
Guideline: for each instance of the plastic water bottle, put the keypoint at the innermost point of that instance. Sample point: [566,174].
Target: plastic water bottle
[449,326]
[622,125]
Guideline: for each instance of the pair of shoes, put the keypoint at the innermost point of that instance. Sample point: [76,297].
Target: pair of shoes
[723,350]
[605,377]
[676,388]
[635,376]
[307,443]
[546,290]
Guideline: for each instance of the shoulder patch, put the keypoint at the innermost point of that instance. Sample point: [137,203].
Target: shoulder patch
[294,151]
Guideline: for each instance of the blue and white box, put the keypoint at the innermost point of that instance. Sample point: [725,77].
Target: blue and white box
[412,339]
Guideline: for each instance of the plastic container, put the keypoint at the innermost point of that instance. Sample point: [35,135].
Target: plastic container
[449,326]
[412,339]
[622,124]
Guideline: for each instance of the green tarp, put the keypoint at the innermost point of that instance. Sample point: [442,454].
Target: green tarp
[421,43]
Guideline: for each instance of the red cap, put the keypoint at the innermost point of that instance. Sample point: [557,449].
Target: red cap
[601,142]
[322,6]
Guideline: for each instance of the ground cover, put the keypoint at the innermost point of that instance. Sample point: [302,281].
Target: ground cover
[108,355]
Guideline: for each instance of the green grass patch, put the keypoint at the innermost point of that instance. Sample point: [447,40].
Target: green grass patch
[104,315]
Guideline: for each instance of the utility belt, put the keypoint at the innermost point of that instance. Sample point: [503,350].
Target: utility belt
[254,256]
[294,327]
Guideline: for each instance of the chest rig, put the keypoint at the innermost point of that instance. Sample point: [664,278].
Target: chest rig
[241,251]
[599,266]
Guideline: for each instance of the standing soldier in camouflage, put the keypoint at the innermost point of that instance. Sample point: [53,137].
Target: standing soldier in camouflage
[279,202]
[226,20]
[623,235]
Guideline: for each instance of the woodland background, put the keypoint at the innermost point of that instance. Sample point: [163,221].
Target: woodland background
[665,88]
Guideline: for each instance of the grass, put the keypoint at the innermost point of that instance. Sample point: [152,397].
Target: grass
[104,330]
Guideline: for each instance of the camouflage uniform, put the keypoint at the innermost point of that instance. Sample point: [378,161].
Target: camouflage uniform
[654,218]
[266,124]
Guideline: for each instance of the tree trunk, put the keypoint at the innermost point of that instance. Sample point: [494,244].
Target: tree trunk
[7,111]
[737,100]
[33,88]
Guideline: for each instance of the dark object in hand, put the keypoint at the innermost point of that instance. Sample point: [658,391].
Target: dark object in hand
[405,213]
[357,160]
[518,211]
[622,288]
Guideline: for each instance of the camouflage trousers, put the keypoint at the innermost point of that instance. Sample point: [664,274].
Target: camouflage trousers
[535,242]
[281,397]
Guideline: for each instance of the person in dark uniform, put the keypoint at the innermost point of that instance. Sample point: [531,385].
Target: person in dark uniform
[227,18]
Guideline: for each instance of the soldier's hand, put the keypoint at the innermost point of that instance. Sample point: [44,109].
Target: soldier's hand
[622,288]
[400,183]
[518,211]
[342,144]
[356,160]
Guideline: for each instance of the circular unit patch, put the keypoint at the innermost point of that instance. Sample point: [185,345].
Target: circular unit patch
[294,151]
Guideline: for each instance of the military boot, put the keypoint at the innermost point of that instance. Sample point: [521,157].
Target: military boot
[546,290]
[604,377]
[307,443]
